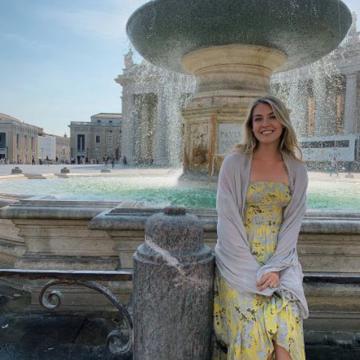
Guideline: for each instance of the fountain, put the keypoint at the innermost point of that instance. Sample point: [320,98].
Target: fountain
[232,47]
[215,41]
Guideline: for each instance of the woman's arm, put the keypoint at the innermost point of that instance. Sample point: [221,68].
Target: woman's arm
[230,224]
[233,256]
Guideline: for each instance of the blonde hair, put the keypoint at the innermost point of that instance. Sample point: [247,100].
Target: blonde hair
[288,141]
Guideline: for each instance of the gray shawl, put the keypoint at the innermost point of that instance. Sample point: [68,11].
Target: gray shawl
[233,257]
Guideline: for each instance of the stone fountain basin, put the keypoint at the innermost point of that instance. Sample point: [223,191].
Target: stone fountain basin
[163,31]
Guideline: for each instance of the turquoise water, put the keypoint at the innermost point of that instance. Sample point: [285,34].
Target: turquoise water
[334,194]
[164,191]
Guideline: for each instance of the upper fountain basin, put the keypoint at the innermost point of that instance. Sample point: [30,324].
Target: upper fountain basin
[163,31]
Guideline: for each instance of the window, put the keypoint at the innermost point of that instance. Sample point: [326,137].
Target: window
[327,144]
[17,141]
[97,139]
[342,143]
[81,142]
[2,140]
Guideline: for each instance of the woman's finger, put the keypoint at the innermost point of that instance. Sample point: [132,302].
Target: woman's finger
[265,285]
[263,280]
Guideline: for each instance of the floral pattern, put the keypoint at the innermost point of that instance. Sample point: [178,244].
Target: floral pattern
[248,324]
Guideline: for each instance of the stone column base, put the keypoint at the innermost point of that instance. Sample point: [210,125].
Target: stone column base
[229,79]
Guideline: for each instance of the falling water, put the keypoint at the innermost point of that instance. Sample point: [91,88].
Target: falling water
[315,96]
[152,101]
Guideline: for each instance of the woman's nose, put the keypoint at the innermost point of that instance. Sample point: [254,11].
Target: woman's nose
[266,121]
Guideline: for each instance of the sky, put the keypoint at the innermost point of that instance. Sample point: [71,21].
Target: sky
[59,58]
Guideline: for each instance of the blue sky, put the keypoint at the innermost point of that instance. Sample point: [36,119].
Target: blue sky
[59,58]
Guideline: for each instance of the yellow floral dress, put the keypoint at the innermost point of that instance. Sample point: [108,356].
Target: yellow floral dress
[248,324]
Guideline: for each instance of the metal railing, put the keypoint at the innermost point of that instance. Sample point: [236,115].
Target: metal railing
[120,340]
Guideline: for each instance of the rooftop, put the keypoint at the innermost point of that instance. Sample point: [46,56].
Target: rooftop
[5,117]
[11,119]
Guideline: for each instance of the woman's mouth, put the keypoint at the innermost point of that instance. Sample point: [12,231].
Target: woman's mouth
[266,132]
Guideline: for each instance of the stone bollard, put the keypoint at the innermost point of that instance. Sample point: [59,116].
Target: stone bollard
[173,290]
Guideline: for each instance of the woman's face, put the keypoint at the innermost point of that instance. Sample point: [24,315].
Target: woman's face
[266,127]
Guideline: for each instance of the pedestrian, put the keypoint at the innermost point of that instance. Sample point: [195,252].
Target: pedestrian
[259,303]
[334,166]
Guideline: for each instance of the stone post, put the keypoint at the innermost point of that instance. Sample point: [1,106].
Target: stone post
[173,290]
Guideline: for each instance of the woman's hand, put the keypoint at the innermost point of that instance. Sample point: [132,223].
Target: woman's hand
[271,280]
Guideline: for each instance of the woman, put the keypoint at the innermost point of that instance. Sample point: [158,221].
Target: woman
[259,299]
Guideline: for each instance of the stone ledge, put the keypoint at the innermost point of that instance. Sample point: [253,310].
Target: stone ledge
[336,222]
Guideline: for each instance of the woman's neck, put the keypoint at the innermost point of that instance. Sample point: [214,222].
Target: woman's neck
[267,152]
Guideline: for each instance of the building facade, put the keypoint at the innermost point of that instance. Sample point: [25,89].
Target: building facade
[18,141]
[324,100]
[152,100]
[47,148]
[97,140]
[63,149]
[54,148]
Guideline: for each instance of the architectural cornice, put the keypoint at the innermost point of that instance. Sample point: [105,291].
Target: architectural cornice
[9,120]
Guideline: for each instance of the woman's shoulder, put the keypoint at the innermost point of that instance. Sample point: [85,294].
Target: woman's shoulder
[300,167]
[295,163]
[298,170]
[235,159]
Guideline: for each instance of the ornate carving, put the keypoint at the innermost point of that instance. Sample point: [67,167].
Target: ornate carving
[199,144]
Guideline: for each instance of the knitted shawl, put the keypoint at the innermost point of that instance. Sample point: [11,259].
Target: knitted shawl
[233,257]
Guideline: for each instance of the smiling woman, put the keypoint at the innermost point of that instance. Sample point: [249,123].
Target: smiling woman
[261,202]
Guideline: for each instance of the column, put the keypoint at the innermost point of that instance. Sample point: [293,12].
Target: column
[350,103]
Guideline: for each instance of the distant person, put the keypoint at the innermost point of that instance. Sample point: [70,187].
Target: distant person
[124,160]
[334,167]
[33,161]
[348,167]
[112,162]
[259,302]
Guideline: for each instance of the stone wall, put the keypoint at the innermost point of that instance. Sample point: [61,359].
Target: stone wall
[88,235]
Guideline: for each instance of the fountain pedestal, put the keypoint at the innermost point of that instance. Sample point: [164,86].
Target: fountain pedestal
[229,78]
[232,47]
